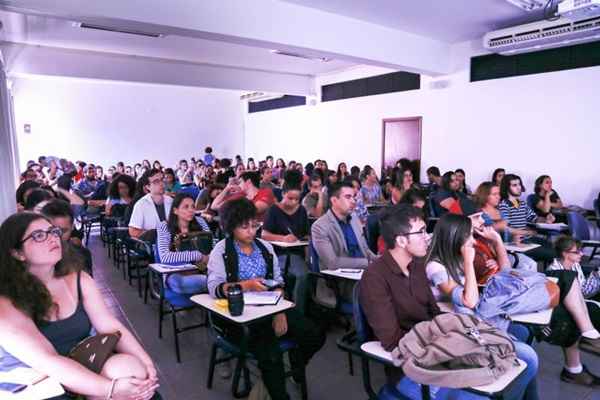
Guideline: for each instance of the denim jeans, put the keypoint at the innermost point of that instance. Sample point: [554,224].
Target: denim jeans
[524,387]
[188,284]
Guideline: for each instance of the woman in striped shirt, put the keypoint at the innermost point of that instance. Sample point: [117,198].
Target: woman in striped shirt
[182,221]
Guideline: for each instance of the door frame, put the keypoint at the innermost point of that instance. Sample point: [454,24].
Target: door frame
[386,120]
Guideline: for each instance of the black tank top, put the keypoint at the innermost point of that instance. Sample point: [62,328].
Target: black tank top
[64,334]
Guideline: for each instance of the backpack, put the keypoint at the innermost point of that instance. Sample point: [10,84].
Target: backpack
[455,351]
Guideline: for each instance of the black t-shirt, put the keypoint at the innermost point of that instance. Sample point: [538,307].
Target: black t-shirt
[280,223]
[160,209]
[554,197]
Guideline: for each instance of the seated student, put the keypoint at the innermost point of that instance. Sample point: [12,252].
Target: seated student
[152,208]
[185,174]
[518,214]
[370,190]
[37,198]
[498,175]
[316,200]
[23,191]
[120,192]
[205,199]
[208,158]
[246,186]
[395,295]
[339,241]
[247,261]
[447,197]
[462,185]
[404,182]
[434,178]
[545,198]
[181,224]
[287,221]
[172,185]
[487,198]
[451,273]
[266,180]
[87,185]
[569,255]
[342,171]
[360,209]
[47,306]
[60,214]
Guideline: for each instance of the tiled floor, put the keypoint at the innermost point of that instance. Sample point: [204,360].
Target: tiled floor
[328,376]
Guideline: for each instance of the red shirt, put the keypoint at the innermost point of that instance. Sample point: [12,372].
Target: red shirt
[265,195]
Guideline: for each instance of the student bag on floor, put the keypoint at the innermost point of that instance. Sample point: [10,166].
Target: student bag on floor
[455,351]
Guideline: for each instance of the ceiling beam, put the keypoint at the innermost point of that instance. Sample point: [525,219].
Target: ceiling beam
[21,59]
[262,23]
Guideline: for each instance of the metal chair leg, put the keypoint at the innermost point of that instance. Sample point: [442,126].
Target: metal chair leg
[175,333]
[211,366]
[160,316]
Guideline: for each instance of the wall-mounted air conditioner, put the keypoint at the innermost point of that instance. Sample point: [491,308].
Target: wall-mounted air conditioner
[542,35]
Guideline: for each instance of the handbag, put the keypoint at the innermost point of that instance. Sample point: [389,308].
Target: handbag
[92,352]
[193,241]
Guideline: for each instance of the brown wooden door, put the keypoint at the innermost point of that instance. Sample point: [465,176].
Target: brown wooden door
[401,139]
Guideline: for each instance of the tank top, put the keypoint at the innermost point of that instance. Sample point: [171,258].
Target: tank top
[64,334]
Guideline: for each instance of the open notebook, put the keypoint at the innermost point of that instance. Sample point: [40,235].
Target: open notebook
[262,298]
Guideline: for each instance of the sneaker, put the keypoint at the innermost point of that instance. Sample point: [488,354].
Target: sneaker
[224,370]
[584,378]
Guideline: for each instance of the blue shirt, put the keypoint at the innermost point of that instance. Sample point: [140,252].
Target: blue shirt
[250,266]
[208,159]
[350,237]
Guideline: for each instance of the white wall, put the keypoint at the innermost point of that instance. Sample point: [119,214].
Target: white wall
[530,125]
[105,122]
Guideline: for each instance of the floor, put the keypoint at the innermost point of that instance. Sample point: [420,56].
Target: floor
[327,373]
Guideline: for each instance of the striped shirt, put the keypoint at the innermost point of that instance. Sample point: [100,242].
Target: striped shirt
[517,216]
[163,243]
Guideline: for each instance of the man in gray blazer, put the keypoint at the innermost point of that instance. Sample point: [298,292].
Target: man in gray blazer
[339,241]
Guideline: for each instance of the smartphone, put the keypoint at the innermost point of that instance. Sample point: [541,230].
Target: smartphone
[487,220]
[271,283]
[12,387]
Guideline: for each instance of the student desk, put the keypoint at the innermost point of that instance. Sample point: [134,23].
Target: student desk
[250,315]
[494,390]
[345,273]
[520,247]
[286,246]
[44,388]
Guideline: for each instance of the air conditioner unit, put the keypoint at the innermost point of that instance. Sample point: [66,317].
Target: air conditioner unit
[542,35]
[578,9]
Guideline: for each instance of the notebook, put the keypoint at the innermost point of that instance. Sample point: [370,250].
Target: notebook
[262,298]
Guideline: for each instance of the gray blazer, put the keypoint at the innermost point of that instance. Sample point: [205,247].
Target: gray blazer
[329,243]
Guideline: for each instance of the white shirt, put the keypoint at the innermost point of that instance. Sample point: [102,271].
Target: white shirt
[145,216]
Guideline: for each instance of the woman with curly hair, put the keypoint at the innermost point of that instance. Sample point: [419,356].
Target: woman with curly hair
[120,192]
[47,306]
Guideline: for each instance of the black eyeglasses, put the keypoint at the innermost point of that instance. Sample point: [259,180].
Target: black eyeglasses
[422,232]
[578,251]
[40,236]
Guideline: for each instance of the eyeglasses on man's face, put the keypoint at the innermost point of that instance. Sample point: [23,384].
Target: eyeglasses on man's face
[40,235]
[421,232]
[250,225]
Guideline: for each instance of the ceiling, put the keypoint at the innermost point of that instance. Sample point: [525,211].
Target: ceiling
[228,43]
[450,21]
[62,33]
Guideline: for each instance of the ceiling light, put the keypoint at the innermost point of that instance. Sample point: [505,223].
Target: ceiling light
[298,55]
[528,5]
[84,25]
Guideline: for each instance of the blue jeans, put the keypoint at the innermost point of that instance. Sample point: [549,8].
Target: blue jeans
[188,284]
[524,387]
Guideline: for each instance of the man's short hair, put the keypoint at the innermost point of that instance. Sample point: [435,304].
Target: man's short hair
[435,171]
[57,208]
[253,176]
[335,189]
[208,150]
[396,221]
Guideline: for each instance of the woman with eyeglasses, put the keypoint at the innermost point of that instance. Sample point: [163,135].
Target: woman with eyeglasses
[47,306]
[569,257]
[243,259]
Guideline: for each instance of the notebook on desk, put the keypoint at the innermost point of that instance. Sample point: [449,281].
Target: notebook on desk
[262,298]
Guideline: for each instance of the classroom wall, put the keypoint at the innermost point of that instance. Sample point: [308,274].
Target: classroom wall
[530,125]
[105,122]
